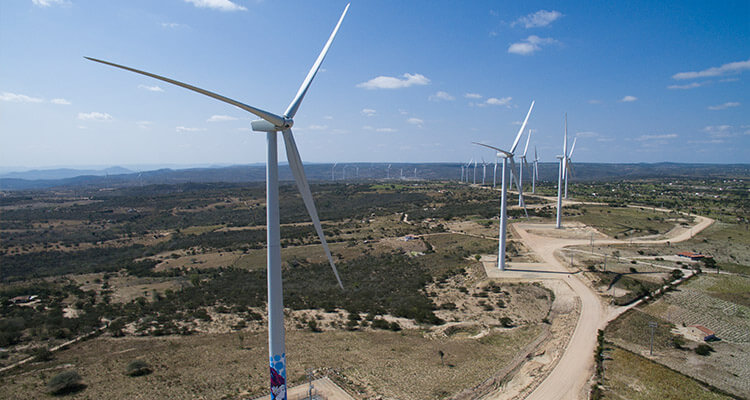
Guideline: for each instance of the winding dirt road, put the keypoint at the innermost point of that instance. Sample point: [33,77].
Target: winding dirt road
[568,379]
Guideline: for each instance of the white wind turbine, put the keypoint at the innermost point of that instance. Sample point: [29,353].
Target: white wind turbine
[272,124]
[462,172]
[520,170]
[475,173]
[506,155]
[468,165]
[484,170]
[494,174]
[535,172]
[333,171]
[388,173]
[560,173]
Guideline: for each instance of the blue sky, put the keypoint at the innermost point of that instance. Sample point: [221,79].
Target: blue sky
[641,81]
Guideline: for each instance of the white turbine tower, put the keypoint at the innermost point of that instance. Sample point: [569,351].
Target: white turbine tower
[494,174]
[520,170]
[506,155]
[560,173]
[535,172]
[475,173]
[468,165]
[333,171]
[272,124]
[388,173]
[462,172]
[484,170]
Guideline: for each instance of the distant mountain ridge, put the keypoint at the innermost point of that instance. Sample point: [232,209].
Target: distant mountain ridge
[119,177]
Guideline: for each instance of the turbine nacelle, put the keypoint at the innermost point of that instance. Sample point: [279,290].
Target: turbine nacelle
[261,125]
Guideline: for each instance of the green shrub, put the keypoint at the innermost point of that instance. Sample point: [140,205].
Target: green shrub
[138,368]
[65,382]
[42,354]
[704,349]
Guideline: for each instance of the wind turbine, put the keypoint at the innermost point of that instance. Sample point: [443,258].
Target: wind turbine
[560,172]
[494,174]
[520,170]
[468,165]
[484,170]
[333,174]
[535,172]
[506,155]
[272,124]
[388,173]
[474,182]
[569,164]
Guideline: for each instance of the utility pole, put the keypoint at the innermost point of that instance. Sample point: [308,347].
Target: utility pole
[653,326]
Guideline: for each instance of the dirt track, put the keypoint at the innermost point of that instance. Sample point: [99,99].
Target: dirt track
[569,377]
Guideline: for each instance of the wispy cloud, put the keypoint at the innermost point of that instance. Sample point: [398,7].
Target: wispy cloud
[665,136]
[144,124]
[390,82]
[530,45]
[154,88]
[61,102]
[222,5]
[503,101]
[383,130]
[538,19]
[628,99]
[49,3]
[441,96]
[369,112]
[724,106]
[94,116]
[692,85]
[188,129]
[221,118]
[473,96]
[172,25]
[19,98]
[587,134]
[317,127]
[415,121]
[726,69]
[595,101]
[719,131]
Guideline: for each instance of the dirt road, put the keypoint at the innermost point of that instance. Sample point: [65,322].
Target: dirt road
[569,378]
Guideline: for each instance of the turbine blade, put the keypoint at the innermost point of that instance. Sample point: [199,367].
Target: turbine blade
[493,148]
[526,148]
[572,147]
[298,170]
[569,166]
[565,140]
[270,117]
[520,131]
[294,105]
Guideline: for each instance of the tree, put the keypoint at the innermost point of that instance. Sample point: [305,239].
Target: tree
[441,354]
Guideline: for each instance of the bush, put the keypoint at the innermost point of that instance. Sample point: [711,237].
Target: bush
[42,354]
[678,342]
[65,382]
[138,368]
[704,349]
[506,322]
[313,325]
[394,326]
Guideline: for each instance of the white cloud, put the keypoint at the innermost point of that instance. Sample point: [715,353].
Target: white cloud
[726,69]
[172,25]
[94,116]
[154,88]
[389,82]
[48,3]
[473,96]
[188,129]
[719,131]
[657,137]
[628,99]
[505,101]
[724,106]
[61,102]
[222,5]
[587,134]
[692,85]
[328,117]
[144,124]
[385,130]
[595,101]
[317,127]
[530,45]
[538,19]
[221,118]
[415,121]
[439,96]
[18,98]
[368,112]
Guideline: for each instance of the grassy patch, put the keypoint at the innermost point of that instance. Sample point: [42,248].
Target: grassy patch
[624,221]
[630,376]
